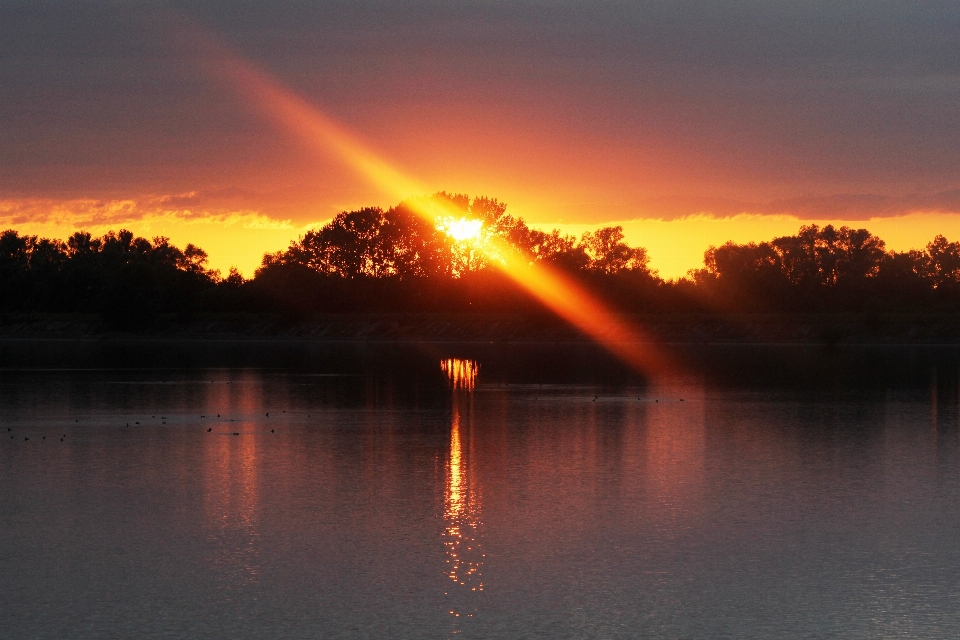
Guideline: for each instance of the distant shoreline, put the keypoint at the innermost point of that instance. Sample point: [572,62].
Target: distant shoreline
[689,328]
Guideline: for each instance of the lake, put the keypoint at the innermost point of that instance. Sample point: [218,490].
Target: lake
[165,489]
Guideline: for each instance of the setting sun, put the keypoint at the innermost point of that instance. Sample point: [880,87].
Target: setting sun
[461,229]
[254,255]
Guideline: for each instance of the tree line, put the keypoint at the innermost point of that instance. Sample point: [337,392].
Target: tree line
[823,269]
[394,260]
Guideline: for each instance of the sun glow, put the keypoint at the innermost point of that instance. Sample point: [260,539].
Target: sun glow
[553,289]
[462,229]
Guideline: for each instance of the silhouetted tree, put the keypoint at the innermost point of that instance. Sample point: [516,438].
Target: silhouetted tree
[828,269]
[609,254]
[401,259]
[126,278]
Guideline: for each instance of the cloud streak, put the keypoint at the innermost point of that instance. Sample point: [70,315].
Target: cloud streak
[840,206]
[168,209]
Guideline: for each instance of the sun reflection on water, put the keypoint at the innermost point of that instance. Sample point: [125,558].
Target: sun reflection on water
[462,374]
[462,502]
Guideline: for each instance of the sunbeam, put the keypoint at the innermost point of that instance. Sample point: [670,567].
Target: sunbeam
[559,293]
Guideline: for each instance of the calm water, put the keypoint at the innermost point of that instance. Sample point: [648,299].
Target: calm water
[770,492]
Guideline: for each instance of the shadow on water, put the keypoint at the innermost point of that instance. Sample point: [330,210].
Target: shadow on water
[408,365]
[415,364]
[808,367]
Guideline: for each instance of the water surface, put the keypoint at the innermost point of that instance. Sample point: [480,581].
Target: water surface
[471,490]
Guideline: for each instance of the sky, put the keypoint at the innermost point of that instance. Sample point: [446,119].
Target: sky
[688,123]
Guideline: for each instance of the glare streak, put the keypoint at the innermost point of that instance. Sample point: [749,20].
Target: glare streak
[556,291]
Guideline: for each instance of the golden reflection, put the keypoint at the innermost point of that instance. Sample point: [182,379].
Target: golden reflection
[462,522]
[462,374]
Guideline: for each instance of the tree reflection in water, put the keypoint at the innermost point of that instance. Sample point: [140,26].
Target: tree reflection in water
[462,500]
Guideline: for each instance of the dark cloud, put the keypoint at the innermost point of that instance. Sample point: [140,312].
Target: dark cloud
[865,206]
[843,206]
[768,100]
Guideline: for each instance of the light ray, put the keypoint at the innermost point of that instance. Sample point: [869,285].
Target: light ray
[556,291]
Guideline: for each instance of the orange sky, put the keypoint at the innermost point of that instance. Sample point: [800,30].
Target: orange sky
[675,246]
[689,124]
